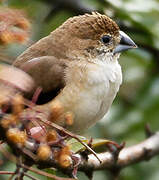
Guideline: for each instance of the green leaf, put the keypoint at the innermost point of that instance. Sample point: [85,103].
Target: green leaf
[50,171]
[76,146]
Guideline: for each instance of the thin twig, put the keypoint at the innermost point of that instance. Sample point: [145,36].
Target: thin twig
[148,131]
[7,172]
[43,173]
[71,135]
[127,156]
[9,156]
[31,177]
[36,94]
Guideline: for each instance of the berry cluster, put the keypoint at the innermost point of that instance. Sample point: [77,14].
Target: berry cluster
[26,129]
[14,26]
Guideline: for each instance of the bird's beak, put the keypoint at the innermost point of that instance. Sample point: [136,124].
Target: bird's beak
[125,43]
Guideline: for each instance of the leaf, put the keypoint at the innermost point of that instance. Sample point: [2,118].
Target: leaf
[78,147]
[50,171]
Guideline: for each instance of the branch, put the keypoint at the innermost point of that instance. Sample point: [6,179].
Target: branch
[52,150]
[127,156]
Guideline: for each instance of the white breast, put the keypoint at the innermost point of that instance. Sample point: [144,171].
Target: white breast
[101,87]
[105,82]
[90,90]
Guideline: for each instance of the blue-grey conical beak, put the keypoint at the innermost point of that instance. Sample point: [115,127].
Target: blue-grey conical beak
[125,43]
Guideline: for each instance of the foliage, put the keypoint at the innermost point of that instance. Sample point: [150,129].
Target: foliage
[138,100]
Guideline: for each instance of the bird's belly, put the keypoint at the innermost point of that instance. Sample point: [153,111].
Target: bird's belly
[93,105]
[91,95]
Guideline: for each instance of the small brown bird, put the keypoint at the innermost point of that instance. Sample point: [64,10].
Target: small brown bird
[77,66]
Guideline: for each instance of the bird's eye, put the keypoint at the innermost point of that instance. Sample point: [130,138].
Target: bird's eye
[106,39]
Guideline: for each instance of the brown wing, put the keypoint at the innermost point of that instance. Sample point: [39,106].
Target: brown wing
[48,73]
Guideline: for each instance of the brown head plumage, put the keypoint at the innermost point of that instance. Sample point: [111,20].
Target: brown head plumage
[91,26]
[79,36]
[84,32]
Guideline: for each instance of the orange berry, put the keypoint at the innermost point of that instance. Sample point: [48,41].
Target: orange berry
[69,118]
[6,37]
[65,160]
[56,110]
[16,136]
[18,104]
[8,120]
[23,23]
[63,157]
[21,37]
[44,152]
[66,150]
[51,136]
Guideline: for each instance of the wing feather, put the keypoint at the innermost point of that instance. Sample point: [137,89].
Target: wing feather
[48,73]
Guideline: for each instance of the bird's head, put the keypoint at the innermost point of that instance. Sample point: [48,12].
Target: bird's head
[92,35]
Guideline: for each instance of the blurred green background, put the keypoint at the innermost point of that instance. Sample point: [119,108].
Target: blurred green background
[137,102]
